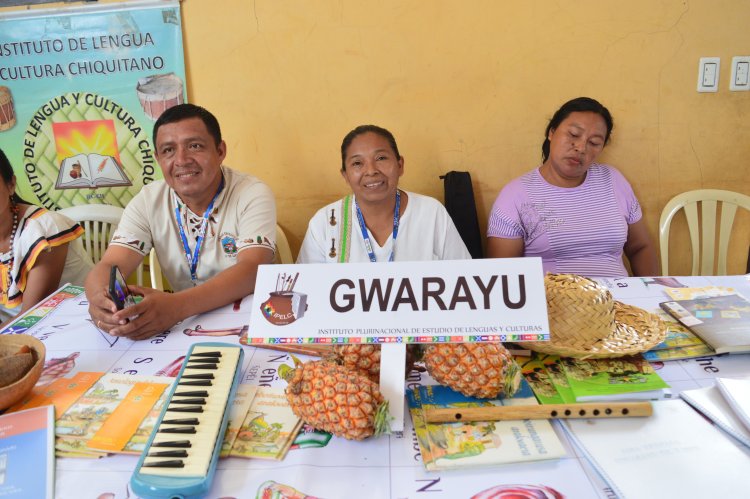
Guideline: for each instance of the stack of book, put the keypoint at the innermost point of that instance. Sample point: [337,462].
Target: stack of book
[563,380]
[719,316]
[680,343]
[100,414]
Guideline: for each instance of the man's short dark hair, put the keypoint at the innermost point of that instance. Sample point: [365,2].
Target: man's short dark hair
[186,111]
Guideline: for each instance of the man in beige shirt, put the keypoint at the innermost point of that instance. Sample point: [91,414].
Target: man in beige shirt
[210,226]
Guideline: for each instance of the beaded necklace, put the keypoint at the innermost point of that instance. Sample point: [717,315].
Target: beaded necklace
[14,209]
[8,273]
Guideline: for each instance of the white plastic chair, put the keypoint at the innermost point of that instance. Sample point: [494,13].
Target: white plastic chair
[283,251]
[154,270]
[703,234]
[99,222]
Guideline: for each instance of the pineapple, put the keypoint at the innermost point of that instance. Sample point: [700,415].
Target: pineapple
[364,358]
[361,358]
[329,397]
[482,370]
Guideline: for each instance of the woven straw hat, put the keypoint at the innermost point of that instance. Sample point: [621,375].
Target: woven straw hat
[586,322]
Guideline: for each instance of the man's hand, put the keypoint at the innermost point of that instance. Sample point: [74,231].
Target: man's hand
[101,306]
[157,312]
[102,309]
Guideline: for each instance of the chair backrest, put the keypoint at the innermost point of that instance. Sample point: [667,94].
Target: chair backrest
[283,251]
[704,231]
[154,270]
[99,222]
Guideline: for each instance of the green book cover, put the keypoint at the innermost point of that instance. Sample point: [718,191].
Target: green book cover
[538,378]
[557,375]
[622,378]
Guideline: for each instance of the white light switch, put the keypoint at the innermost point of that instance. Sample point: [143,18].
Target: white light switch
[740,73]
[708,74]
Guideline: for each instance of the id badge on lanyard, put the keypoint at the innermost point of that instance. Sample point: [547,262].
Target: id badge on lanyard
[366,236]
[192,256]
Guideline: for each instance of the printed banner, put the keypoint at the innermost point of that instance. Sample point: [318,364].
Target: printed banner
[80,89]
[409,302]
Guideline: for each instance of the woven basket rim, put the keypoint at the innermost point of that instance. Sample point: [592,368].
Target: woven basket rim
[14,392]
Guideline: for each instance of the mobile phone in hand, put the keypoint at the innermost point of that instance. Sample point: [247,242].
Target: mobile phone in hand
[118,289]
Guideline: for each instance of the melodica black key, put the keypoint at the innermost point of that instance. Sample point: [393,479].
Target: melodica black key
[194,401]
[209,365]
[198,376]
[206,354]
[193,393]
[175,444]
[196,382]
[161,475]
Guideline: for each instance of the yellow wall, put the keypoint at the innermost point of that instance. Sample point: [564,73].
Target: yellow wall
[469,85]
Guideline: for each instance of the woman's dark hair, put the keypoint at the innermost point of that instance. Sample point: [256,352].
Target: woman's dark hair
[362,129]
[577,105]
[6,172]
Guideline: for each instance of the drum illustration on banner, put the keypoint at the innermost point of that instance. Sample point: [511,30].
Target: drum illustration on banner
[7,112]
[284,305]
[158,93]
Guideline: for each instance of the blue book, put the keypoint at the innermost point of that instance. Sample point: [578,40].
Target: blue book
[27,453]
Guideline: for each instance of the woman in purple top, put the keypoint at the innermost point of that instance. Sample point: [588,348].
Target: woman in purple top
[577,215]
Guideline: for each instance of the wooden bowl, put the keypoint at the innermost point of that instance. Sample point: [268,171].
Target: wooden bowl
[14,392]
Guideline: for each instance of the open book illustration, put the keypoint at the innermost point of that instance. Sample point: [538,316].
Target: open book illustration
[89,155]
[89,171]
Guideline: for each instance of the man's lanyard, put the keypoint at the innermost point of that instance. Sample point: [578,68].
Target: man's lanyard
[366,236]
[192,257]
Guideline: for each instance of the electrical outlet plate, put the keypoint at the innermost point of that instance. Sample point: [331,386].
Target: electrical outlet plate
[708,74]
[740,73]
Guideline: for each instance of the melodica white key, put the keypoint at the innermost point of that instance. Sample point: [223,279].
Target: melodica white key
[180,457]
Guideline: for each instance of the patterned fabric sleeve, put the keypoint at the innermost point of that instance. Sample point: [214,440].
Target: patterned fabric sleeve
[133,231]
[257,220]
[39,230]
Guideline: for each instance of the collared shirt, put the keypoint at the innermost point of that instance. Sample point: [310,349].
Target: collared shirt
[426,232]
[244,216]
